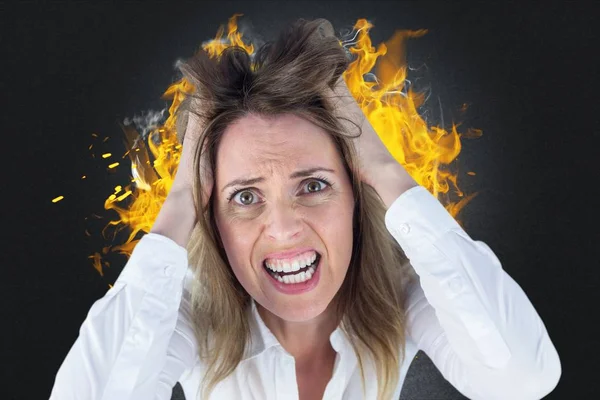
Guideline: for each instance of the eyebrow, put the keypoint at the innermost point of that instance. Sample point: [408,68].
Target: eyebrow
[298,174]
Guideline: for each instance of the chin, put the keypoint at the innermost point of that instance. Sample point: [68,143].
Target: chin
[302,314]
[292,312]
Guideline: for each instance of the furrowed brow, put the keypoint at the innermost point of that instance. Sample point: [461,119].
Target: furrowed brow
[243,182]
[298,174]
[308,172]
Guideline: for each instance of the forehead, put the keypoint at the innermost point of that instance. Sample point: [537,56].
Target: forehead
[258,145]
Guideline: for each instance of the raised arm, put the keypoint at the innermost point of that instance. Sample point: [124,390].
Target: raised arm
[469,316]
[137,340]
[134,344]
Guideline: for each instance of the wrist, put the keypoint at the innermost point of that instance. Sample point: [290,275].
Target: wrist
[177,216]
[390,180]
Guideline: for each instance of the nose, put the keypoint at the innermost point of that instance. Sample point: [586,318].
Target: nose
[283,223]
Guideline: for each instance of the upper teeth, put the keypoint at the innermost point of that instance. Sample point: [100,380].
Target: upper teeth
[291,264]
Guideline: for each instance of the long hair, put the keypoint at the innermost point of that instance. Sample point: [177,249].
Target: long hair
[294,74]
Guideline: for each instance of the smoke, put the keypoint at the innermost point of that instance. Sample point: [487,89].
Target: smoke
[146,122]
[250,34]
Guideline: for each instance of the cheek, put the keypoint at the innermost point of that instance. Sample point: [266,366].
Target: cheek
[238,248]
[330,220]
[238,240]
[334,225]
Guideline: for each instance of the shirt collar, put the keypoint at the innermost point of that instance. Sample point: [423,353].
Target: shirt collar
[263,339]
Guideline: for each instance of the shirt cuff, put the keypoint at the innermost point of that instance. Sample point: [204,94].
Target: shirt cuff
[157,265]
[416,219]
[459,276]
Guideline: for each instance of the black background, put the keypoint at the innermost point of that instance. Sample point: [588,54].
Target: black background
[528,73]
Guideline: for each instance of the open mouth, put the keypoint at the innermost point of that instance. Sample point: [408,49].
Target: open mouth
[300,276]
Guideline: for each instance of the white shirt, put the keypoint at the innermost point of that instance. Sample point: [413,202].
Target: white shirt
[469,316]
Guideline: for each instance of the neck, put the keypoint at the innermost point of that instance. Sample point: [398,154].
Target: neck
[307,341]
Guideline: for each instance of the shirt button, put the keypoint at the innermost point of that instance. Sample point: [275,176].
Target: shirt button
[481,328]
[169,270]
[404,229]
[456,284]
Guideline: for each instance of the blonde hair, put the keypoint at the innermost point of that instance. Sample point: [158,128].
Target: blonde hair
[294,74]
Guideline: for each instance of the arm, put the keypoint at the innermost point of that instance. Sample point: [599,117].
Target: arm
[134,344]
[137,340]
[469,316]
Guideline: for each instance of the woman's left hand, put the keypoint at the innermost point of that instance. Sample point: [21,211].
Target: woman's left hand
[377,166]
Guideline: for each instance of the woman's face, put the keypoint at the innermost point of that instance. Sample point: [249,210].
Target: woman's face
[284,201]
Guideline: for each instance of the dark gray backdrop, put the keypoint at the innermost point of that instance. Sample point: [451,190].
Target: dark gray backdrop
[527,72]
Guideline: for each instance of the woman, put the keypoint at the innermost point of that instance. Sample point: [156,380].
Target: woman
[297,226]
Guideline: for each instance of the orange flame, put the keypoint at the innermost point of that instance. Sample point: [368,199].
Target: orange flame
[392,111]
[389,103]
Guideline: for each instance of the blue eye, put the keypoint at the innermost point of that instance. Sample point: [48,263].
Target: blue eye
[245,197]
[316,185]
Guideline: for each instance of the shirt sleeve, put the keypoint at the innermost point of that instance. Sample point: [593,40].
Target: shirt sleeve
[137,340]
[465,312]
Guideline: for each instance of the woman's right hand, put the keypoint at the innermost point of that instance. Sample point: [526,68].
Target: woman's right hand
[177,215]
[184,178]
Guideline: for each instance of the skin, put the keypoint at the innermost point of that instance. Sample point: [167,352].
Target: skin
[302,324]
[282,213]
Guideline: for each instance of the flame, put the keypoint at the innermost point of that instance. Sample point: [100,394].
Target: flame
[389,103]
[392,109]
